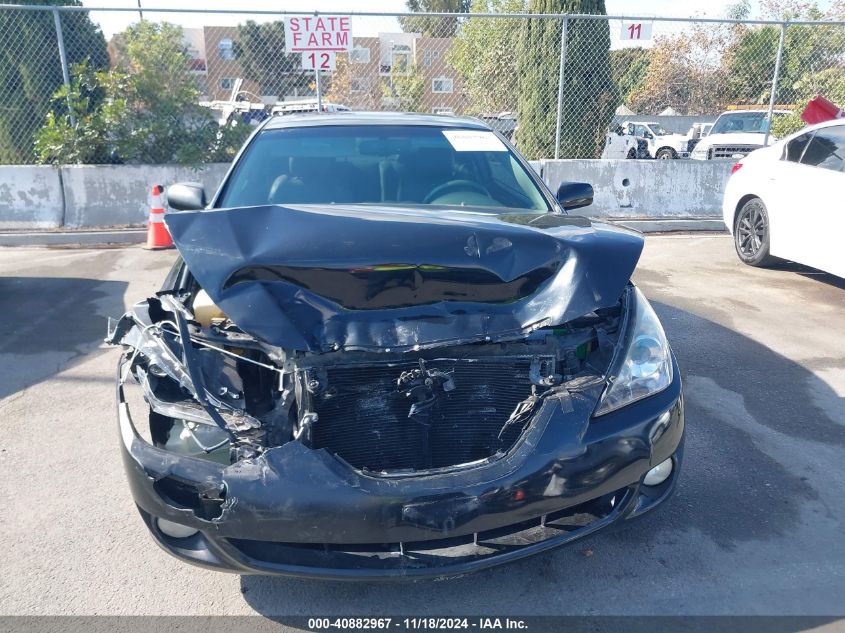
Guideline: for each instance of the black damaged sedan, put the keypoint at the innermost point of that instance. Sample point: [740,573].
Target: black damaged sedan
[385,351]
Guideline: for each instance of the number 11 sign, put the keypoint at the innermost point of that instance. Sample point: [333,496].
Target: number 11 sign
[636,31]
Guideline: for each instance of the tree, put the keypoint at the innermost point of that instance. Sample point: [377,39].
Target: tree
[260,49]
[686,72]
[705,68]
[164,117]
[30,70]
[589,95]
[406,85]
[483,54]
[145,110]
[433,26]
[750,65]
[750,62]
[830,83]
[341,84]
[628,68]
[91,97]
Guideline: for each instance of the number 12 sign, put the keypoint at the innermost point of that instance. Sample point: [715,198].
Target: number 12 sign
[636,31]
[318,60]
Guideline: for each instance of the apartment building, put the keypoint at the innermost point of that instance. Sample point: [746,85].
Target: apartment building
[370,77]
[376,65]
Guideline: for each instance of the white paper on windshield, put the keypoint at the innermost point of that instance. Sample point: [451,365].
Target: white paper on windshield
[474,141]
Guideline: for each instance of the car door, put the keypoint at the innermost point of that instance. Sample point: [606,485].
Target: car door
[641,131]
[821,184]
[776,186]
[616,145]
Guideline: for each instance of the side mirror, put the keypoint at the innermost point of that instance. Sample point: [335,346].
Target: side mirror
[186,196]
[574,195]
[648,135]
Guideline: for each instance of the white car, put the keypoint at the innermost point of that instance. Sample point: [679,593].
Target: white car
[735,133]
[786,200]
[660,143]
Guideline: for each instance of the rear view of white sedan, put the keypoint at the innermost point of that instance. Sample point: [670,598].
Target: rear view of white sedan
[787,201]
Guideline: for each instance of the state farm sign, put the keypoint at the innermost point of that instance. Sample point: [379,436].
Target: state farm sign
[312,33]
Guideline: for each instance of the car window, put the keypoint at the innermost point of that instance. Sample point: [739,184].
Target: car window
[795,147]
[826,149]
[381,164]
[741,122]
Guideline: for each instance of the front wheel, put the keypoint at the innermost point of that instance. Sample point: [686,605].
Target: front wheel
[751,234]
[665,153]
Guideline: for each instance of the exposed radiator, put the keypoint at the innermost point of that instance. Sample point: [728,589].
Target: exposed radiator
[363,416]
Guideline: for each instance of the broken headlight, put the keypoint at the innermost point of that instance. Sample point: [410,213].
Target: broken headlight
[643,365]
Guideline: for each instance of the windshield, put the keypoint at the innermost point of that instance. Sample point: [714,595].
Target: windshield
[741,122]
[381,164]
[658,130]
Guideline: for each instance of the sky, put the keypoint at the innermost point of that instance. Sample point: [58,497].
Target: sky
[115,22]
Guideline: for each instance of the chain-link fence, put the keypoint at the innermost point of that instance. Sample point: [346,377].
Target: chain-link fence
[84,85]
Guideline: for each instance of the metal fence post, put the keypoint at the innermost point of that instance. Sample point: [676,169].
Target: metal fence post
[564,28]
[319,92]
[774,84]
[63,57]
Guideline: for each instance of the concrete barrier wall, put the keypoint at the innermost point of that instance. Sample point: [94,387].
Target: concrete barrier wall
[83,196]
[645,188]
[30,197]
[114,195]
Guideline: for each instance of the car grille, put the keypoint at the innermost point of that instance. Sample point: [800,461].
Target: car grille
[731,151]
[364,419]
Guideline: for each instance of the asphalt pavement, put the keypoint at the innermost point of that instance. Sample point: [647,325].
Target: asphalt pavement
[757,525]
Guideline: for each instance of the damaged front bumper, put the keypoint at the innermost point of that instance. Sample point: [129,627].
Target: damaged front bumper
[299,511]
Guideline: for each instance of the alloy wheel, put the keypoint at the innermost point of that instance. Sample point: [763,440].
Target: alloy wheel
[751,230]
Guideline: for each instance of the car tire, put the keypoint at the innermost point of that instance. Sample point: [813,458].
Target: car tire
[665,154]
[752,234]
[632,153]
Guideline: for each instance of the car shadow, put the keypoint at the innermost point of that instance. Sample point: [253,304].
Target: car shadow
[810,273]
[48,322]
[744,487]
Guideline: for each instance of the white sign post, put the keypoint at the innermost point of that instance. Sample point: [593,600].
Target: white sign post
[318,38]
[638,31]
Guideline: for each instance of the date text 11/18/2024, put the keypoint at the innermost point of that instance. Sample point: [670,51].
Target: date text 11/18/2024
[416,624]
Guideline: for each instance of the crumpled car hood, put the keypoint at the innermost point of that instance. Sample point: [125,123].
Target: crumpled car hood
[327,278]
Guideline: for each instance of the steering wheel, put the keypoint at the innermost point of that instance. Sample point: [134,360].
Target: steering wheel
[454,185]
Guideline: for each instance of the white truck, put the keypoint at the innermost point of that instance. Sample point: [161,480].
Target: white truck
[645,139]
[735,134]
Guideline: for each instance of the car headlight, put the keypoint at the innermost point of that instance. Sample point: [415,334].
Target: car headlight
[643,365]
[699,152]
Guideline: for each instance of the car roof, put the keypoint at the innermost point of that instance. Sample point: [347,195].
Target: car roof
[755,112]
[372,118]
[823,124]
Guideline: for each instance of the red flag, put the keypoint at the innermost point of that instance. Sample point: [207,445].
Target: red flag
[820,109]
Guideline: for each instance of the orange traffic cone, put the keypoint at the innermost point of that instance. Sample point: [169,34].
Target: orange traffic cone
[158,236]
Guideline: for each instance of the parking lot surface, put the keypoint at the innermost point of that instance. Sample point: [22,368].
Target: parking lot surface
[757,525]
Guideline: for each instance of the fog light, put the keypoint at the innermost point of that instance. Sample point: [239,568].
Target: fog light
[175,530]
[659,473]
